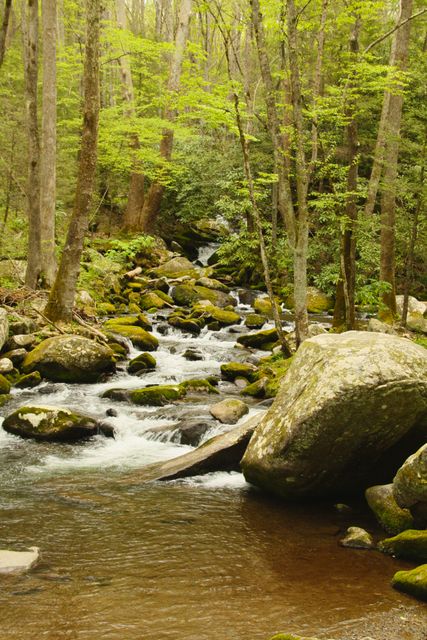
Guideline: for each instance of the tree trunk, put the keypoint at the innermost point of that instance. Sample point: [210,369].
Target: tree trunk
[155,194]
[301,247]
[61,299]
[30,24]
[4,29]
[136,194]
[388,191]
[344,312]
[48,145]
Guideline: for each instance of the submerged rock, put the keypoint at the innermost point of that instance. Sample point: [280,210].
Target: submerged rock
[229,411]
[357,538]
[390,516]
[51,424]
[349,409]
[18,561]
[413,582]
[410,485]
[221,453]
[409,545]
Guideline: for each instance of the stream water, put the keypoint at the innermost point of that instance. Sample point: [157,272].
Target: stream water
[208,558]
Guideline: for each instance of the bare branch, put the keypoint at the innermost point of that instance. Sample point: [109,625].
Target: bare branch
[391,31]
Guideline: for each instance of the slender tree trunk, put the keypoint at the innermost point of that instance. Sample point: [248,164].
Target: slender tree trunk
[155,194]
[344,312]
[317,88]
[4,29]
[388,191]
[135,202]
[48,145]
[301,246]
[61,299]
[30,24]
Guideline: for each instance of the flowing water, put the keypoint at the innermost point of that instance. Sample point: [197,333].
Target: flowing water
[207,558]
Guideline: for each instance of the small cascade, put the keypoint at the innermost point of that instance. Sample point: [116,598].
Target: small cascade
[206,251]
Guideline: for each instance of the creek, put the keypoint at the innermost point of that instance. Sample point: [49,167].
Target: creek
[206,558]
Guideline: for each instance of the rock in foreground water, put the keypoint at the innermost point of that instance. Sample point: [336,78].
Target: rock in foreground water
[70,358]
[50,424]
[351,407]
[18,561]
[413,582]
[410,485]
[409,545]
[390,516]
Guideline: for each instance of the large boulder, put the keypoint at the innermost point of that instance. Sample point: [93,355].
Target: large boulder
[410,485]
[221,453]
[264,340]
[349,410]
[176,268]
[4,328]
[69,358]
[185,295]
[51,424]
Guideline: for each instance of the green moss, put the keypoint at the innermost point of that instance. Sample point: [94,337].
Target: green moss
[138,336]
[198,386]
[4,397]
[157,396]
[390,516]
[409,545]
[143,362]
[4,385]
[260,340]
[256,389]
[255,321]
[421,341]
[47,423]
[263,306]
[134,308]
[184,295]
[139,320]
[152,301]
[105,308]
[233,370]
[119,350]
[164,296]
[185,324]
[29,381]
[413,582]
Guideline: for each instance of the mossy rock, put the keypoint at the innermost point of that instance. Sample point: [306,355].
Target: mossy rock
[177,268]
[50,424]
[211,283]
[143,362]
[409,545]
[164,296]
[229,411]
[255,321]
[157,396]
[134,308]
[105,309]
[119,350]
[29,381]
[413,582]
[4,397]
[317,301]
[139,320]
[4,385]
[185,324]
[263,306]
[184,295]
[256,389]
[198,386]
[232,370]
[140,338]
[217,298]
[260,340]
[70,358]
[390,516]
[151,300]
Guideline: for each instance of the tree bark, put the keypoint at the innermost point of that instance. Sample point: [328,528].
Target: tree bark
[61,299]
[135,202]
[4,29]
[388,191]
[48,145]
[30,24]
[155,194]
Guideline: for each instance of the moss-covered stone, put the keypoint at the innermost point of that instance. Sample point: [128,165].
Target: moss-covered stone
[164,296]
[263,306]
[185,324]
[4,397]
[120,352]
[260,340]
[211,283]
[140,338]
[4,385]
[413,582]
[256,389]
[134,308]
[410,486]
[255,321]
[317,301]
[143,362]
[151,300]
[390,516]
[29,380]
[229,411]
[177,268]
[232,370]
[139,320]
[157,396]
[70,358]
[197,385]
[105,309]
[409,545]
[50,424]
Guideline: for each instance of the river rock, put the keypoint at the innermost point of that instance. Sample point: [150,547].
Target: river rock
[21,324]
[232,370]
[263,306]
[357,538]
[6,365]
[390,516]
[4,385]
[221,453]
[140,338]
[211,283]
[70,358]
[18,561]
[151,300]
[184,324]
[255,321]
[185,295]
[193,355]
[413,582]
[4,327]
[414,305]
[176,268]
[211,313]
[410,485]
[156,396]
[51,424]
[409,545]
[20,341]
[317,301]
[138,320]
[143,362]
[17,356]
[380,327]
[260,340]
[349,409]
[229,411]
[29,381]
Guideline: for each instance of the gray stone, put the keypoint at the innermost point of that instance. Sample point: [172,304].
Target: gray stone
[229,411]
[6,365]
[410,485]
[390,516]
[20,341]
[357,538]
[349,410]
